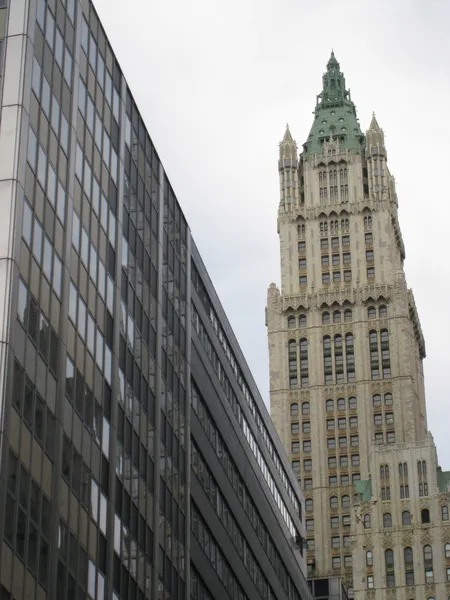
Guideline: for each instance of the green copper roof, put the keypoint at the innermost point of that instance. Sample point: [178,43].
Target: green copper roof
[335,114]
[364,489]
[443,480]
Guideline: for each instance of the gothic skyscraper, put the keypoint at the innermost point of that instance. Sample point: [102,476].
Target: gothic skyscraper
[346,351]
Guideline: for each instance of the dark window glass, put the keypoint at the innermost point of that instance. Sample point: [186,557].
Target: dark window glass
[9,519]
[17,387]
[28,403]
[50,434]
[32,548]
[24,488]
[21,534]
[12,473]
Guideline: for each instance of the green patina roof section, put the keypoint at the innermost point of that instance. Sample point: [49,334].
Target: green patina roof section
[335,114]
[443,480]
[364,489]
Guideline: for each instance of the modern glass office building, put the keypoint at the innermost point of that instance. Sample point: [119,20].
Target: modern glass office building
[137,459]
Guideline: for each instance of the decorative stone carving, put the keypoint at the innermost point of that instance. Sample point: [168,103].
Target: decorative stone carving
[370,595]
[426,537]
[387,540]
[391,593]
[408,538]
[410,592]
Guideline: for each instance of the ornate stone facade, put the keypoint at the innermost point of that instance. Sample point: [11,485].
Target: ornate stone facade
[346,377]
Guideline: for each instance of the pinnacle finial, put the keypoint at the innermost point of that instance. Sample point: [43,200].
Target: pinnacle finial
[333,63]
[287,135]
[374,123]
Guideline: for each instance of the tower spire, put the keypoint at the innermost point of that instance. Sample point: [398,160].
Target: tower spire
[287,135]
[287,167]
[375,137]
[335,114]
[374,124]
[288,146]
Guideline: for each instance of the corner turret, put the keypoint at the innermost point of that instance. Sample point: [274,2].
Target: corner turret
[288,170]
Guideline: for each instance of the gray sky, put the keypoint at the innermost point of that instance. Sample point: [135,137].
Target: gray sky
[216,83]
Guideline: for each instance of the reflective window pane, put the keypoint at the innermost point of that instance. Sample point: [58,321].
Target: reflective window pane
[22,303]
[47,259]
[27,225]
[32,148]
[37,241]
[57,275]
[73,301]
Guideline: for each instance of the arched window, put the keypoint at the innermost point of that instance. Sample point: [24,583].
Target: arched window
[444,513]
[382,311]
[294,409]
[409,566]
[376,400]
[325,318]
[366,521]
[447,550]
[345,501]
[336,316]
[305,408]
[291,322]
[309,504]
[341,403]
[387,520]
[371,312]
[428,563]
[390,572]
[373,338]
[388,399]
[334,503]
[406,518]
[384,337]
[369,558]
[302,320]
[352,403]
[384,472]
[329,404]
[425,514]
[347,315]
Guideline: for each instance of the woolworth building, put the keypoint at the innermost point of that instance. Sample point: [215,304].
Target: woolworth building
[346,376]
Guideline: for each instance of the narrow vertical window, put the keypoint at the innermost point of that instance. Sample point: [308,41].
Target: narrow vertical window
[350,356]
[292,357]
[422,473]
[338,359]
[409,566]
[428,564]
[390,571]
[385,355]
[327,360]
[374,360]
[304,374]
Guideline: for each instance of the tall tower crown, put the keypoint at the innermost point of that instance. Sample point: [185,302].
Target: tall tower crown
[335,115]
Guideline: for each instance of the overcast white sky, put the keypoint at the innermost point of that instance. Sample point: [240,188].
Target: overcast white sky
[216,81]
